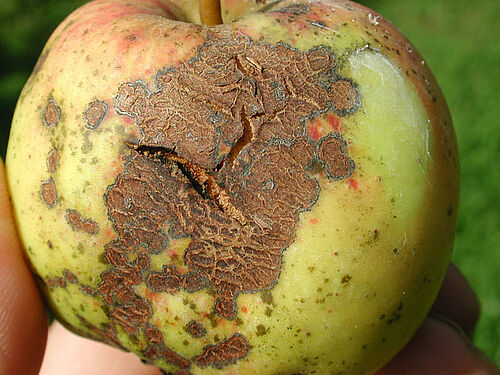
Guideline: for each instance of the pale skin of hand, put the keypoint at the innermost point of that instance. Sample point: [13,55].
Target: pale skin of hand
[442,345]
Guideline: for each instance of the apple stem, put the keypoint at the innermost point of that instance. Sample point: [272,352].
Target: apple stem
[210,12]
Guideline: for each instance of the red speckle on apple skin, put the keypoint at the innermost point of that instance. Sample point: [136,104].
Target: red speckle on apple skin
[335,123]
[172,253]
[313,131]
[313,220]
[353,183]
[221,322]
[244,309]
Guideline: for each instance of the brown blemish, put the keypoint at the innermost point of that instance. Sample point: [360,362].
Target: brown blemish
[153,335]
[295,9]
[192,282]
[234,178]
[52,160]
[87,290]
[95,114]
[168,281]
[331,156]
[196,329]
[78,223]
[346,279]
[160,351]
[224,353]
[51,114]
[261,330]
[70,277]
[49,193]
[257,106]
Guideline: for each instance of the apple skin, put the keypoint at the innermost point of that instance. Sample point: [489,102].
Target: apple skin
[367,258]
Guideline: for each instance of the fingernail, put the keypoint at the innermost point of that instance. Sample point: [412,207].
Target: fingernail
[451,324]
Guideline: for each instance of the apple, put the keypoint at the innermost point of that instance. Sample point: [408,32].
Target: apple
[276,194]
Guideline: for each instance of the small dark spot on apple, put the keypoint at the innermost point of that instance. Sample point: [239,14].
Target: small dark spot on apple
[346,279]
[49,193]
[267,297]
[51,114]
[261,330]
[78,223]
[52,160]
[95,113]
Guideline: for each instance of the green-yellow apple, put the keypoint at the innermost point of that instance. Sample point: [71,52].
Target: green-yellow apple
[276,194]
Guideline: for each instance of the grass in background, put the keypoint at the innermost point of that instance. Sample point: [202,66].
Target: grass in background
[459,40]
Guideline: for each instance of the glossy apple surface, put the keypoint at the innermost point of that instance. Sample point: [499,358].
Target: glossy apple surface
[274,195]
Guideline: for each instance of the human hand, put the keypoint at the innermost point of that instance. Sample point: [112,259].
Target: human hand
[441,346]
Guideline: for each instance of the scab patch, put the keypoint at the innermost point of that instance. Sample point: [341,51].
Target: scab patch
[78,223]
[70,277]
[95,113]
[52,160]
[51,114]
[169,280]
[223,354]
[49,193]
[196,329]
[330,154]
[225,160]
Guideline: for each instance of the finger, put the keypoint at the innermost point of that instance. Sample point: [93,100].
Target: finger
[439,349]
[23,320]
[457,301]
[68,353]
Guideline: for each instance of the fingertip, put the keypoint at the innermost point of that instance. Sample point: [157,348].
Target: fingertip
[68,353]
[457,301]
[439,348]
[23,319]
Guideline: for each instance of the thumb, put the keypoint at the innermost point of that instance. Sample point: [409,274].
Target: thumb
[23,320]
[440,348]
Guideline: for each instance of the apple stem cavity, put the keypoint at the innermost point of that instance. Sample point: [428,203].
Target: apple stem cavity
[210,12]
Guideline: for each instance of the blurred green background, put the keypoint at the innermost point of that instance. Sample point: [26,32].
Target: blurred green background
[459,40]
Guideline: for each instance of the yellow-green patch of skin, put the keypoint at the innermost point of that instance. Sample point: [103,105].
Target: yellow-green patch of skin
[77,304]
[391,137]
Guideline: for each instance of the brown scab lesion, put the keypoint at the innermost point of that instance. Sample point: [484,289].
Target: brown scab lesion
[168,281]
[196,329]
[95,113]
[52,160]
[48,193]
[70,277]
[224,353]
[51,114]
[78,223]
[62,281]
[225,159]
